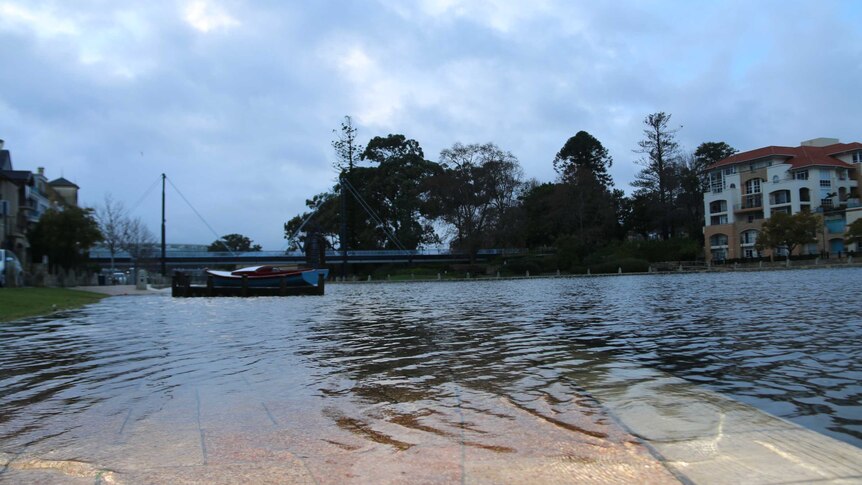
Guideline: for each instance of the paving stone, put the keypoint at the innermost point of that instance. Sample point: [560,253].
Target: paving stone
[41,477]
[274,473]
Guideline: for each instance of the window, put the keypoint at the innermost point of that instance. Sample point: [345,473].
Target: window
[718,240]
[800,175]
[784,209]
[826,183]
[748,237]
[717,206]
[779,197]
[730,170]
[716,220]
[842,174]
[750,253]
[752,201]
[716,182]
[752,186]
[775,179]
[857,157]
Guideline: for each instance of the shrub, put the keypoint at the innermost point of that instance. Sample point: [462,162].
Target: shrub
[628,265]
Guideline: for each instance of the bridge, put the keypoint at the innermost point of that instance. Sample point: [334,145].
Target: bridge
[199,259]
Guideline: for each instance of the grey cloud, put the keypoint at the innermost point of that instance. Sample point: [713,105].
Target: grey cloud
[241,117]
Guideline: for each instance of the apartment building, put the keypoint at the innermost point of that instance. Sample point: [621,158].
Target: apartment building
[821,175]
[24,197]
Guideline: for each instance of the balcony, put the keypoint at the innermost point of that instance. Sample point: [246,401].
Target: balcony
[749,203]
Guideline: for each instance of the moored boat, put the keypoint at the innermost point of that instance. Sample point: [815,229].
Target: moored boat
[267,277]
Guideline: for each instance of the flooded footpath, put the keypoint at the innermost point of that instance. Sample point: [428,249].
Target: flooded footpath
[698,378]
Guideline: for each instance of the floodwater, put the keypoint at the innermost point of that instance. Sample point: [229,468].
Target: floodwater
[477,381]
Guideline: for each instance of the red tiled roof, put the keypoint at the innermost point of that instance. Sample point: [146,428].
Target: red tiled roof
[840,148]
[797,157]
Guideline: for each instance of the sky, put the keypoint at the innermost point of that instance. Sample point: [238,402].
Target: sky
[236,101]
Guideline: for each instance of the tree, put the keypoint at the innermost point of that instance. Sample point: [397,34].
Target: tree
[475,193]
[346,150]
[711,152]
[323,218]
[582,165]
[236,243]
[112,219]
[787,231]
[395,189]
[347,154]
[138,240]
[541,214]
[854,234]
[658,177]
[64,236]
[584,153]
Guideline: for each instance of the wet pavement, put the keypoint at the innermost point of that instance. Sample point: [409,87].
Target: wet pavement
[205,436]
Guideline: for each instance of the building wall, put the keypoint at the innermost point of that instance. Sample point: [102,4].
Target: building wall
[745,211]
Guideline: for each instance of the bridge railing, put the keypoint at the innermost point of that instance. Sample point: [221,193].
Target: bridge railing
[330,254]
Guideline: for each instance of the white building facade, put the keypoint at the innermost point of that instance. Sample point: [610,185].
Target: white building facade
[821,176]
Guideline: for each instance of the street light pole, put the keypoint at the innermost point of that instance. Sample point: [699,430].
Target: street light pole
[164,271]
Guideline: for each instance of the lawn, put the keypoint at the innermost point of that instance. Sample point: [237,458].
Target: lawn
[18,303]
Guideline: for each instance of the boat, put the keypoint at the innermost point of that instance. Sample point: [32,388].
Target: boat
[267,277]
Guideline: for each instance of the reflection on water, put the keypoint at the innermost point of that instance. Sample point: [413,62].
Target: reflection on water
[386,363]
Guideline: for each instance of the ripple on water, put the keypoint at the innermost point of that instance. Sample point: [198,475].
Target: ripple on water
[388,363]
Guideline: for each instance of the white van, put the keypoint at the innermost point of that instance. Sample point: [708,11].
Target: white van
[10,267]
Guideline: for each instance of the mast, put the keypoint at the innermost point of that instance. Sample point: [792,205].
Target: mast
[343,226]
[164,271]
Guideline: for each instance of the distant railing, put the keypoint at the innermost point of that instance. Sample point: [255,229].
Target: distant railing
[330,253]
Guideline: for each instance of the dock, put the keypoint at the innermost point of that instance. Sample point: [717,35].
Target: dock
[182,287]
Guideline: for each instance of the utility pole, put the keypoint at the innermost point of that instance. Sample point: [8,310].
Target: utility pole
[164,271]
[343,226]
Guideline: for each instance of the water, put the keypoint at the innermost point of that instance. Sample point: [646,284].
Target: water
[390,363]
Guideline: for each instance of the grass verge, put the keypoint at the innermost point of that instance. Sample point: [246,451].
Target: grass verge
[16,303]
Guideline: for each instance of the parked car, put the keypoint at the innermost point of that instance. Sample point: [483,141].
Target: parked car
[10,267]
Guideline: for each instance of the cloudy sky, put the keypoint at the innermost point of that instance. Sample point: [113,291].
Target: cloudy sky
[236,100]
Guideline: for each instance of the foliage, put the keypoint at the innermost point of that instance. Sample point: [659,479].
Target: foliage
[112,216]
[854,233]
[539,206]
[236,243]
[584,197]
[137,240]
[584,153]
[392,192]
[787,231]
[627,265]
[65,236]
[121,232]
[657,178]
[475,193]
[346,150]
[322,217]
[16,303]
[474,196]
[711,152]
[396,189]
